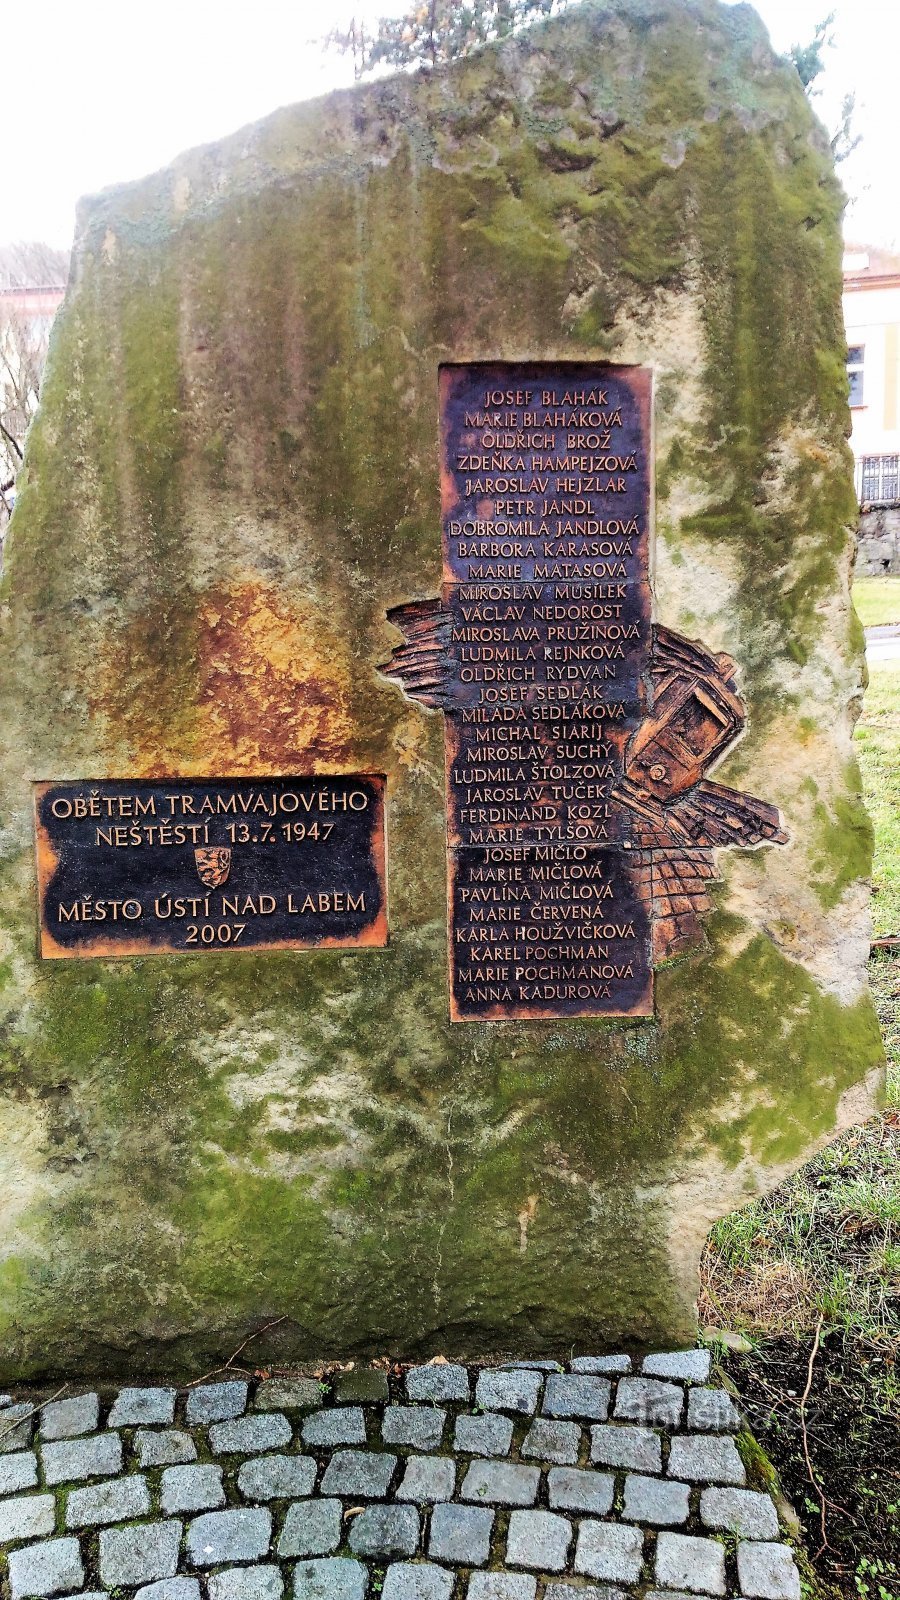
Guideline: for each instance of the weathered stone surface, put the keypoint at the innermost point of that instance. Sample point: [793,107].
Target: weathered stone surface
[609,1550]
[129,1556]
[577,1396]
[216,1402]
[385,1531]
[99,1456]
[28,1516]
[627,1447]
[366,1384]
[18,1471]
[221,1536]
[684,1562]
[461,1534]
[288,1394]
[311,1528]
[552,1441]
[501,1482]
[538,1539]
[63,1419]
[195,582]
[742,1511]
[359,1472]
[335,1578]
[194,1488]
[572,1489]
[487,1435]
[170,1589]
[117,1501]
[164,1449]
[501,1586]
[442,1381]
[508,1391]
[416,1580]
[768,1571]
[242,1435]
[48,1568]
[246,1583]
[599,1364]
[691,1365]
[428,1478]
[655,1500]
[133,1407]
[15,1435]
[706,1458]
[646,1400]
[344,1425]
[421,1427]
[712,1410]
[277,1477]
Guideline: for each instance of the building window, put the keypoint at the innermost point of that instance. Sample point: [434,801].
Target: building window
[878,480]
[855,360]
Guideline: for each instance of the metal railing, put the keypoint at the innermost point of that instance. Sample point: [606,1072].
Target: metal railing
[877,480]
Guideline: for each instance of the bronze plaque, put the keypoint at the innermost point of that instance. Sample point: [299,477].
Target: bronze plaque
[198,865]
[580,827]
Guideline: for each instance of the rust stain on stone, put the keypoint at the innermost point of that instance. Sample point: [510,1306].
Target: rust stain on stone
[273,684]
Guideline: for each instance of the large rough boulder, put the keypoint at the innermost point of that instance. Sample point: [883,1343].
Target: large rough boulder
[233,478]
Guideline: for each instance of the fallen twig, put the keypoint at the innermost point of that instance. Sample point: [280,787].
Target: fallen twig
[228,1366]
[32,1413]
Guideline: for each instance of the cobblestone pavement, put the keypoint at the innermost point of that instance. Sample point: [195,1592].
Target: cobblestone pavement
[594,1482]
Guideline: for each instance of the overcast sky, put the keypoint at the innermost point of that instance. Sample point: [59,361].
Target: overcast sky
[108,90]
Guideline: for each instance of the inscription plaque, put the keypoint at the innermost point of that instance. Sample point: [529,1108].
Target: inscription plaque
[580,828]
[192,865]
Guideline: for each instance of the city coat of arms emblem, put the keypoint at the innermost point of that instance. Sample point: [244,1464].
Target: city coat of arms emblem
[213,864]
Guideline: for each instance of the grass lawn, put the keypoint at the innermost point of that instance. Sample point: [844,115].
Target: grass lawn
[811,1274]
[877,600]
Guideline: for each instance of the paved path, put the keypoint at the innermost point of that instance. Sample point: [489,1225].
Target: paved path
[592,1483]
[883,643]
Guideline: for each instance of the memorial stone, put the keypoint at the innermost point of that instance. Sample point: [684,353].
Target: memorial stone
[434,872]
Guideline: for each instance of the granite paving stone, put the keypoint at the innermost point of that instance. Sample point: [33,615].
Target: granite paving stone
[64,1419]
[140,1407]
[216,1402]
[685,1562]
[421,1427]
[129,1556]
[288,1394]
[360,1473]
[599,1365]
[311,1528]
[626,1447]
[334,1578]
[768,1571]
[246,1583]
[268,1430]
[385,1531]
[342,1425]
[170,1589]
[712,1411]
[16,1437]
[487,1435]
[655,1500]
[508,1391]
[277,1477]
[18,1471]
[532,1366]
[609,1550]
[547,1440]
[502,1482]
[27,1516]
[706,1458]
[442,1381]
[116,1501]
[68,1460]
[582,1591]
[428,1478]
[194,1488]
[416,1580]
[165,1449]
[647,1400]
[366,1386]
[501,1586]
[667,1594]
[538,1539]
[221,1536]
[52,1567]
[461,1534]
[88,1594]
[579,1489]
[742,1511]
[692,1366]
[578,1396]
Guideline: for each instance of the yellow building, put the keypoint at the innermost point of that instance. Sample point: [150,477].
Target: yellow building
[872,321]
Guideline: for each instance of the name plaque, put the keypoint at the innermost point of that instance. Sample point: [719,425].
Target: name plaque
[580,828]
[204,865]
